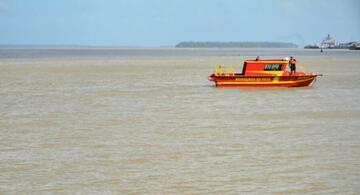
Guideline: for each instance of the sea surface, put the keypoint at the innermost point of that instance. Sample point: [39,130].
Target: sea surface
[147,121]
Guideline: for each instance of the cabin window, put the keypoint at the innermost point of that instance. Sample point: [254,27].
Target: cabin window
[273,67]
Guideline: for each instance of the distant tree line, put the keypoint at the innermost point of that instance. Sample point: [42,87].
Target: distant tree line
[192,44]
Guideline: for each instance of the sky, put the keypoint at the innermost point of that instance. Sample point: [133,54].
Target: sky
[153,23]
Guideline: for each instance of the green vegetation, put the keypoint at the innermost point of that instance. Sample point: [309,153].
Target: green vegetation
[191,44]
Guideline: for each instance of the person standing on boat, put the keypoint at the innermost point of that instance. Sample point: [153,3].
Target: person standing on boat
[292,63]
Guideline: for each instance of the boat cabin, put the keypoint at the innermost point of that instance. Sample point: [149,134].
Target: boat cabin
[271,67]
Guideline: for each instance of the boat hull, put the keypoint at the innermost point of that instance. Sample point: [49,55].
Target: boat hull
[263,81]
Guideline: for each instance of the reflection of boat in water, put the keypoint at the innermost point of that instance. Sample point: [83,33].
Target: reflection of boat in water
[262,73]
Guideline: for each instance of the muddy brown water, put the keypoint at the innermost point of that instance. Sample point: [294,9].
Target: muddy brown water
[147,121]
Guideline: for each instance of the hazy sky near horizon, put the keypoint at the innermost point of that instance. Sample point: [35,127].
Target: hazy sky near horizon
[167,22]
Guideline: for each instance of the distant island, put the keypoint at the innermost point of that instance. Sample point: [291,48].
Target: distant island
[196,44]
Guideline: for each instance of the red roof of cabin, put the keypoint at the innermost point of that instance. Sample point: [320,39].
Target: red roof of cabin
[257,67]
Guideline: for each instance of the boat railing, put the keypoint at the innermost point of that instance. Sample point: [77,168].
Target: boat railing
[224,71]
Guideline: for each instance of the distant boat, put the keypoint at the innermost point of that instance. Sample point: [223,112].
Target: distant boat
[311,46]
[355,46]
[330,43]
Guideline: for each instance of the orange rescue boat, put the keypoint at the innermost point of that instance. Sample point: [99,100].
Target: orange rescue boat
[262,73]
